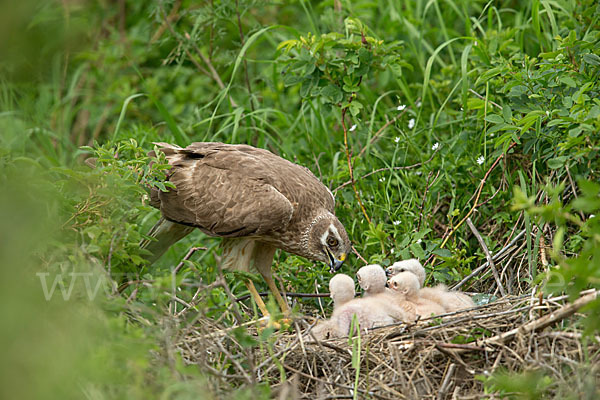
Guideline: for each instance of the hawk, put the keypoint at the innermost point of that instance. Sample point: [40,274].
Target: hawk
[256,201]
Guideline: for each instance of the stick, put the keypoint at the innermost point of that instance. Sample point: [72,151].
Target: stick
[285,294]
[495,257]
[488,256]
[476,204]
[387,169]
[540,323]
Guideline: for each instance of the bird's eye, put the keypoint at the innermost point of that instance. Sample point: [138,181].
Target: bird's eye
[332,242]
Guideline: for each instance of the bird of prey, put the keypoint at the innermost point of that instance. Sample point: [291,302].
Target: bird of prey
[256,201]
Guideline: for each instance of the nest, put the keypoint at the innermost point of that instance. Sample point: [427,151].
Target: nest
[445,357]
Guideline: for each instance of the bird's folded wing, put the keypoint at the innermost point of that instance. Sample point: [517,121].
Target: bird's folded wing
[223,202]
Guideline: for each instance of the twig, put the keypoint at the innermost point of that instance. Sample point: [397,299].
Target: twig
[285,294]
[172,15]
[387,169]
[483,98]
[475,205]
[427,186]
[359,256]
[541,323]
[376,135]
[446,382]
[294,370]
[189,254]
[495,257]
[360,203]
[488,256]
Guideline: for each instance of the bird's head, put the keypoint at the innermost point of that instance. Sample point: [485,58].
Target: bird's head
[371,278]
[328,241]
[412,265]
[405,283]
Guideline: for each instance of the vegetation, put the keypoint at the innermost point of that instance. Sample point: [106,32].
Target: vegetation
[418,115]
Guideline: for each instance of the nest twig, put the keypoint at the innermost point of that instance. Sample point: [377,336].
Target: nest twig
[437,358]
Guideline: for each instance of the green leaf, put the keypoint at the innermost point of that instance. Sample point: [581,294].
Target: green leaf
[507,114]
[494,119]
[591,59]
[557,162]
[333,93]
[567,80]
[417,250]
[355,108]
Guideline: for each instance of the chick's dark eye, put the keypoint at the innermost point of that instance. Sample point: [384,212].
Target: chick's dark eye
[332,242]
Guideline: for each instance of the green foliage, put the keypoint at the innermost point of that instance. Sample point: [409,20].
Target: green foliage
[437,92]
[333,66]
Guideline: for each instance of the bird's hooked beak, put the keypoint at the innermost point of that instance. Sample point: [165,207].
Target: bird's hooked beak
[335,263]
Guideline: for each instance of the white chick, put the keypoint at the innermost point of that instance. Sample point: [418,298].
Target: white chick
[405,285]
[411,265]
[341,289]
[375,310]
[449,300]
[372,279]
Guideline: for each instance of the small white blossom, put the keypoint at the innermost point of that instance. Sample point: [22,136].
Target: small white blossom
[547,113]
[481,160]
[382,179]
[353,128]
[397,139]
[392,251]
[396,223]
[419,241]
[418,104]
[411,123]
[401,107]
[592,215]
[475,43]
[418,173]
[435,146]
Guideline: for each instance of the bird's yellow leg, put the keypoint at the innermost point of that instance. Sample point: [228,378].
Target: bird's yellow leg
[259,301]
[280,300]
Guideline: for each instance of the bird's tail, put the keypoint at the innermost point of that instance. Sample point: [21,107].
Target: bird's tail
[165,234]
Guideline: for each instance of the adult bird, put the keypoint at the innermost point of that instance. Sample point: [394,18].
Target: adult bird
[256,201]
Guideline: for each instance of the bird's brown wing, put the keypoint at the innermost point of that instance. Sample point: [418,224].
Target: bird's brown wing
[219,198]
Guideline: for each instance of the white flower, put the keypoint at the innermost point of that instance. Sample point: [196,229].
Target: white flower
[435,146]
[382,179]
[392,251]
[481,160]
[353,127]
[418,173]
[411,123]
[592,216]
[476,43]
[547,113]
[401,107]
[397,139]
[419,241]
[396,223]
[418,104]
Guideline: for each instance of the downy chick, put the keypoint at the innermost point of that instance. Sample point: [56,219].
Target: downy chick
[405,286]
[449,300]
[372,279]
[341,289]
[377,309]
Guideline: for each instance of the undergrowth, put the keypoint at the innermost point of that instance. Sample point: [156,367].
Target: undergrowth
[417,115]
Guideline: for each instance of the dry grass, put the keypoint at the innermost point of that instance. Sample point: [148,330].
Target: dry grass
[439,358]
